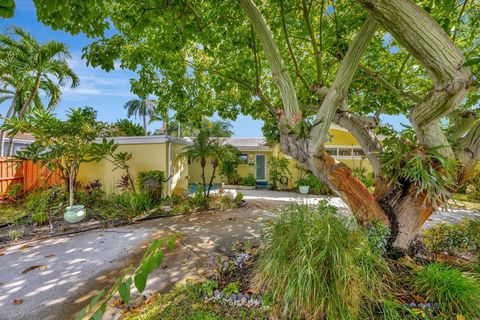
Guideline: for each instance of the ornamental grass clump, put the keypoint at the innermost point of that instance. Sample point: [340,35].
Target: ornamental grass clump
[320,265]
[454,291]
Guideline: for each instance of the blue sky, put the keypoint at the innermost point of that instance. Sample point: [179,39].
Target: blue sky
[106,92]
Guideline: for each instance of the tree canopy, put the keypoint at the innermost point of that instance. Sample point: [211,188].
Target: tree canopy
[301,65]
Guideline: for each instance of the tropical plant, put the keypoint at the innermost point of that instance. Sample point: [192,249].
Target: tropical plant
[301,66]
[318,264]
[228,165]
[249,180]
[142,108]
[207,144]
[43,205]
[61,145]
[119,160]
[454,291]
[138,276]
[134,203]
[278,169]
[152,181]
[43,66]
[453,238]
[123,128]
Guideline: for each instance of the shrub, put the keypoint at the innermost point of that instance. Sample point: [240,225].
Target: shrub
[239,198]
[249,181]
[454,238]
[454,291]
[278,168]
[316,186]
[151,181]
[320,265]
[198,201]
[42,205]
[15,190]
[134,203]
[14,234]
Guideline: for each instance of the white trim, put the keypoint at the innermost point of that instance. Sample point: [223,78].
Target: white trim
[146,140]
[265,167]
[253,149]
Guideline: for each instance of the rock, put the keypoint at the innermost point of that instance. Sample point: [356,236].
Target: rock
[239,296]
[233,297]
[243,301]
[412,305]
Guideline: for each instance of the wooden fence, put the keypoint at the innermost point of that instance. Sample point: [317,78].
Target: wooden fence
[31,175]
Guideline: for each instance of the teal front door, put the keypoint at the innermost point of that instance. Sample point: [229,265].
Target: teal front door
[260,167]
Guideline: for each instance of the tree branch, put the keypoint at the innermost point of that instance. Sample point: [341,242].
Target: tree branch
[338,91]
[280,72]
[313,41]
[361,128]
[468,151]
[415,30]
[290,49]
[403,95]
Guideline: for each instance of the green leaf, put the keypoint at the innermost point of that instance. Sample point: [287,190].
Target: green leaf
[51,5]
[95,299]
[472,61]
[98,315]
[157,258]
[124,290]
[81,314]
[6,12]
[140,281]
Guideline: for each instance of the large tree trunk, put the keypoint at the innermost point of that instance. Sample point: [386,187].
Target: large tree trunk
[407,212]
[403,211]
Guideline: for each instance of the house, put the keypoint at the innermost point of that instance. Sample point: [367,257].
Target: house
[163,153]
[255,154]
[20,142]
[148,153]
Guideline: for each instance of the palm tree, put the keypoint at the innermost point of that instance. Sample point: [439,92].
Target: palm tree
[142,107]
[28,67]
[207,145]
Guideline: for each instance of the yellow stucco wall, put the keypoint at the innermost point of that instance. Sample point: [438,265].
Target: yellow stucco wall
[148,156]
[338,138]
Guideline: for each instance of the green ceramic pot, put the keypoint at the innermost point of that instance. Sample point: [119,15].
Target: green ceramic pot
[303,189]
[75,214]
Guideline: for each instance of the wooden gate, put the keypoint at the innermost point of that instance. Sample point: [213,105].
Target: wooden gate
[31,175]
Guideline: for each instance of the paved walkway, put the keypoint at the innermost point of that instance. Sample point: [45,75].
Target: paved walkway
[71,268]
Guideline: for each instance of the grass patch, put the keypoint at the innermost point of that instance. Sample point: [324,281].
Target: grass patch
[467,201]
[186,302]
[11,214]
[320,265]
[454,291]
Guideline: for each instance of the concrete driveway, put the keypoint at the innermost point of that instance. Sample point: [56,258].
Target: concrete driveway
[67,270]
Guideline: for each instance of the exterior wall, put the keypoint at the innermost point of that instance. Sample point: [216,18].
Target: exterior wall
[179,168]
[340,139]
[146,156]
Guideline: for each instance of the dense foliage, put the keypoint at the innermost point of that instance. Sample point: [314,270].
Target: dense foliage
[61,145]
[318,264]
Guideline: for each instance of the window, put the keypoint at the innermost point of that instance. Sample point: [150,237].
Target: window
[243,158]
[358,152]
[332,151]
[345,152]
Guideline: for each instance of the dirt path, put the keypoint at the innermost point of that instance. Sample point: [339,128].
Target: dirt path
[69,269]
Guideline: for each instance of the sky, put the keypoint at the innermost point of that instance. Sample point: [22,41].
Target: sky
[105,92]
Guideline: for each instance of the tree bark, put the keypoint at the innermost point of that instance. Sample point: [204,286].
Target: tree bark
[215,165]
[203,163]
[33,92]
[145,125]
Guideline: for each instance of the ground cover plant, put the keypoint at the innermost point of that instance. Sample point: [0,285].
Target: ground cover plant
[302,65]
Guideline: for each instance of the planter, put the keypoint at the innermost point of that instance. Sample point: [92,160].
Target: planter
[303,189]
[75,214]
[242,203]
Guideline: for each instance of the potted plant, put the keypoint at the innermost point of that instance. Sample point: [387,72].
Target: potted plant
[302,183]
[303,186]
[62,146]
